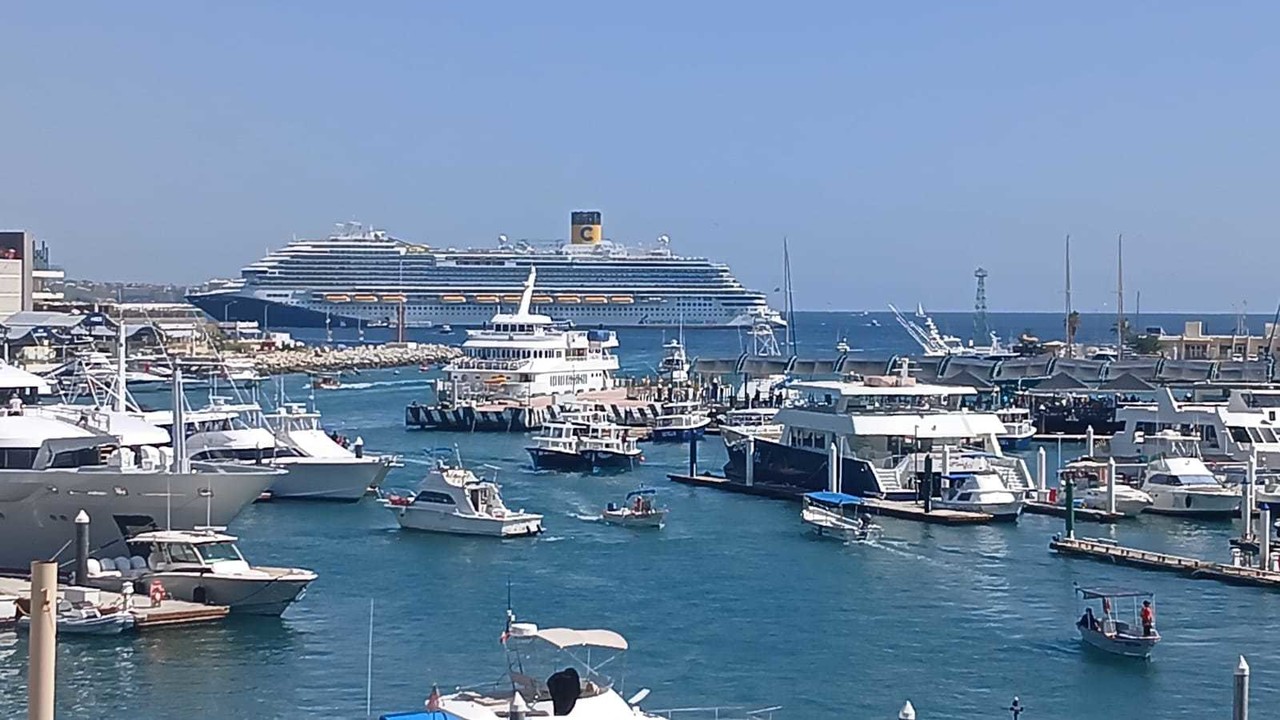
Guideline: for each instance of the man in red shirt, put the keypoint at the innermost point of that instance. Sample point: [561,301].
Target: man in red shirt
[1148,616]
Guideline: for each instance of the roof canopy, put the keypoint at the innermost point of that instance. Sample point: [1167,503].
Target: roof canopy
[1095,593]
[568,637]
[834,499]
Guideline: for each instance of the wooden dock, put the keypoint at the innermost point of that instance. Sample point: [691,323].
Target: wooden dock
[1035,507]
[168,613]
[889,508]
[1191,567]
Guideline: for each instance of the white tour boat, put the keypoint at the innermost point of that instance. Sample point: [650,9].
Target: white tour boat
[839,515]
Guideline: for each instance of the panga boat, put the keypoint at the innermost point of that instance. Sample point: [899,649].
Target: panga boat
[639,510]
[451,499]
[202,566]
[838,515]
[982,492]
[86,619]
[1105,632]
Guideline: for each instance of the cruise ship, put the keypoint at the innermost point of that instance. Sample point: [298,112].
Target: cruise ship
[360,276]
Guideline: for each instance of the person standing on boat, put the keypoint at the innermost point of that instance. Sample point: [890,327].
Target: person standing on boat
[1148,616]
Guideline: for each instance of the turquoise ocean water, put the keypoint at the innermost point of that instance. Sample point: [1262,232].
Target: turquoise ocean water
[732,603]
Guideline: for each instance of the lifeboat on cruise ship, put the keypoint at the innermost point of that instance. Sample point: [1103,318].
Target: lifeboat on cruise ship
[542,299]
[487,298]
[568,299]
[621,299]
[496,380]
[596,299]
[652,298]
[510,298]
[394,297]
[366,298]
[453,298]
[338,297]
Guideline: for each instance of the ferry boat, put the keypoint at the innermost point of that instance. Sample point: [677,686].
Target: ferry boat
[589,280]
[888,430]
[514,369]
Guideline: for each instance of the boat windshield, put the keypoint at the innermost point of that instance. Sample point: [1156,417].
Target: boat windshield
[219,551]
[1195,480]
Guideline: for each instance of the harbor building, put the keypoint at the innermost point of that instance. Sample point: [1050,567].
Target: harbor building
[1194,343]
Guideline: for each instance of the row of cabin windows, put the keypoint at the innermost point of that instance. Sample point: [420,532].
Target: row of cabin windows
[1243,435]
[512,354]
[246,454]
[431,496]
[25,458]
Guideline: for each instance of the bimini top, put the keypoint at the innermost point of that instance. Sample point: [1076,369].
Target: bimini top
[642,492]
[1096,593]
[834,499]
[567,637]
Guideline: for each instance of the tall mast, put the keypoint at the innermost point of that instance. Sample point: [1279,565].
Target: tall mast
[789,309]
[1120,297]
[1071,335]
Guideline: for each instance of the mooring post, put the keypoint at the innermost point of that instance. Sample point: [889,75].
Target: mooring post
[82,547]
[1113,477]
[833,468]
[42,651]
[1240,698]
[751,460]
[1069,497]
[693,455]
[1264,537]
[1088,442]
[1042,471]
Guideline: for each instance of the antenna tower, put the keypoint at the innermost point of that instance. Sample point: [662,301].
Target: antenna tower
[980,327]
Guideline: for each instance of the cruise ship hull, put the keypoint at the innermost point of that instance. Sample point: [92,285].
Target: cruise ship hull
[244,307]
[38,508]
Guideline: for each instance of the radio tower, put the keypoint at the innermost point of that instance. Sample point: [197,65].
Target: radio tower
[980,328]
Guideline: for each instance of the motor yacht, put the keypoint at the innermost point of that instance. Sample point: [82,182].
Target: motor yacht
[201,566]
[1090,488]
[451,499]
[981,492]
[674,366]
[319,468]
[1185,486]
[680,421]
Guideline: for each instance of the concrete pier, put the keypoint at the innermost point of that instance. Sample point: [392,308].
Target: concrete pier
[1107,551]
[353,358]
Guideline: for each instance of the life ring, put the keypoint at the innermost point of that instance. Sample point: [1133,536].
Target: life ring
[156,592]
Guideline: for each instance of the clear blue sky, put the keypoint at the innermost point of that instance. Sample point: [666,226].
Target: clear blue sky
[898,145]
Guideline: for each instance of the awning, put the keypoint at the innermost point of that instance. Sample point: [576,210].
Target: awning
[567,637]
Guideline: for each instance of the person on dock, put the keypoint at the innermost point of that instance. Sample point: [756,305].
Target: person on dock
[1148,616]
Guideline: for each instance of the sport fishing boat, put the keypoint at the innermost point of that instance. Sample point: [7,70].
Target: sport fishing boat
[674,366]
[202,566]
[1090,481]
[839,515]
[1102,630]
[981,492]
[638,510]
[451,499]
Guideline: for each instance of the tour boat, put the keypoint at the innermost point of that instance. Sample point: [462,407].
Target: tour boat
[838,515]
[680,422]
[1104,632]
[638,510]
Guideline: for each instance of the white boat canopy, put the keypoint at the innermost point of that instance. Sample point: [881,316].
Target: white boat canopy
[567,637]
[938,426]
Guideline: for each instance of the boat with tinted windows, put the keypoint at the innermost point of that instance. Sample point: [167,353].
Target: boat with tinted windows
[451,499]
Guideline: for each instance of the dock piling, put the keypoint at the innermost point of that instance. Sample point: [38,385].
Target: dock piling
[1042,470]
[82,546]
[693,454]
[946,460]
[1069,498]
[44,640]
[1264,536]
[751,460]
[1112,479]
[1088,442]
[1240,698]
[833,468]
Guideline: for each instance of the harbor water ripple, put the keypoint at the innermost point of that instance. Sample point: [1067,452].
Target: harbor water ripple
[732,603]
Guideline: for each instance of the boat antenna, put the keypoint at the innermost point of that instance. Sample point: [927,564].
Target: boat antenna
[1071,335]
[368,676]
[1271,336]
[790,305]
[1120,297]
[121,379]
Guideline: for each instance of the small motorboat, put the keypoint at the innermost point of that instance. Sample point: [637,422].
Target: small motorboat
[86,619]
[981,492]
[639,510]
[1103,631]
[446,329]
[838,515]
[325,381]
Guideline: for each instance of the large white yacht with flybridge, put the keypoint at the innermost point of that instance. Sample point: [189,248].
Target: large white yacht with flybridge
[360,276]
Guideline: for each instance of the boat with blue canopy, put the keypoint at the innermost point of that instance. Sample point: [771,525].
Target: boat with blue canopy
[1103,630]
[839,515]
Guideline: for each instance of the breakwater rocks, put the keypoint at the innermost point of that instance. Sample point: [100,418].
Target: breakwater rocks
[314,360]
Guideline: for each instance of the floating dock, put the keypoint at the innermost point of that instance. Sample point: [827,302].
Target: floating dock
[902,510]
[1035,507]
[168,613]
[1108,551]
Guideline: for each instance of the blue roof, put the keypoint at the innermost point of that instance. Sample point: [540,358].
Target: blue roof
[834,498]
[641,491]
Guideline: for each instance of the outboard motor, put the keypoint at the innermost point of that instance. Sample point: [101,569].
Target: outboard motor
[564,686]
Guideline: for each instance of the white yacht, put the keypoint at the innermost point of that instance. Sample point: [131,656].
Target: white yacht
[741,422]
[1185,486]
[201,566]
[1231,429]
[515,367]
[51,468]
[981,492]
[680,421]
[451,499]
[555,447]
[1090,487]
[887,429]
[319,468]
[674,366]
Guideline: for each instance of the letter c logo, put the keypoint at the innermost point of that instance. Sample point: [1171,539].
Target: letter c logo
[585,233]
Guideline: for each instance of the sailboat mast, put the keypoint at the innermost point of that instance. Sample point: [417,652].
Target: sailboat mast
[1071,335]
[1120,297]
[789,309]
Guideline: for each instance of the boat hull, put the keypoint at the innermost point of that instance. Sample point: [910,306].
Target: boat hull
[1119,644]
[544,459]
[1195,505]
[627,518]
[112,624]
[269,591]
[435,521]
[802,469]
[341,480]
[1013,443]
[673,435]
[40,507]
[606,460]
[1000,511]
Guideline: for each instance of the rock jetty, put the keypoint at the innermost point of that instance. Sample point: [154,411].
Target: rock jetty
[323,359]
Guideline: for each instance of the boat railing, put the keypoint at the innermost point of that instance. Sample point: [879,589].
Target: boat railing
[718,712]
[466,363]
